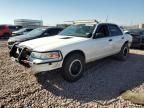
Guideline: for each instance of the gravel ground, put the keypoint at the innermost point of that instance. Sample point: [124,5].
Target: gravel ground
[101,86]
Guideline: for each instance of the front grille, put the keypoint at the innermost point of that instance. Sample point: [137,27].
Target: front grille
[24,53]
[20,54]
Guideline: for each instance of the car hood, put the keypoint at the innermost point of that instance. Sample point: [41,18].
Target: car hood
[20,38]
[51,43]
[17,32]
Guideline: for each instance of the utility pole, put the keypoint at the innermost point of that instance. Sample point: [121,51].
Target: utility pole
[106,19]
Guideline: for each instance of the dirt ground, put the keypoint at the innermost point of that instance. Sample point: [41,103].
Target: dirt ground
[101,86]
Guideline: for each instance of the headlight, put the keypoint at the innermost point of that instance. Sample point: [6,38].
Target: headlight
[53,55]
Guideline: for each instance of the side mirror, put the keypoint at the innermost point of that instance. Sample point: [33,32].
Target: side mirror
[126,32]
[99,35]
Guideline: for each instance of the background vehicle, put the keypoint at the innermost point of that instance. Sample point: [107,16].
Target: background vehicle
[36,33]
[138,37]
[21,31]
[5,32]
[74,47]
[14,27]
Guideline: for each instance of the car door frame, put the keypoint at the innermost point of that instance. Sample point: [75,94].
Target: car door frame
[102,46]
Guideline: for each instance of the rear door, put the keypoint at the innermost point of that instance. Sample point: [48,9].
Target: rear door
[117,37]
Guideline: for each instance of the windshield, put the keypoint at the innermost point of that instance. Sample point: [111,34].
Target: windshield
[36,32]
[81,30]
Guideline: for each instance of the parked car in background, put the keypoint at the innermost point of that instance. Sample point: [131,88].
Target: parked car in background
[72,48]
[138,37]
[5,32]
[36,33]
[21,31]
[14,27]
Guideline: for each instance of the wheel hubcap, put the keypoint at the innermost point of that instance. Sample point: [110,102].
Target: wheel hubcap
[75,67]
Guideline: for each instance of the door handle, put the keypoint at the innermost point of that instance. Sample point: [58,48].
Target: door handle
[110,40]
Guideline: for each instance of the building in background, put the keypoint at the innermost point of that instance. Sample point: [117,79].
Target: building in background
[28,23]
[141,26]
[138,26]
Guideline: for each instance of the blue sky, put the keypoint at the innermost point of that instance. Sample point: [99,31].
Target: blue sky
[56,11]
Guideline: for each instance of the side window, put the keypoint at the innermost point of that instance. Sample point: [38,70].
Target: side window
[114,30]
[28,30]
[59,30]
[53,31]
[12,28]
[103,29]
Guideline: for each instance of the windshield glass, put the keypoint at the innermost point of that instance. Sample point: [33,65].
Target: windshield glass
[36,32]
[81,30]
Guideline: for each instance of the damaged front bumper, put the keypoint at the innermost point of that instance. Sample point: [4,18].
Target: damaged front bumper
[22,56]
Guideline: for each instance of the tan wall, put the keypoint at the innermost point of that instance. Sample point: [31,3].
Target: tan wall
[141,25]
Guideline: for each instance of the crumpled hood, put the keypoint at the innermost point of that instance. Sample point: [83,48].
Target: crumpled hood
[51,43]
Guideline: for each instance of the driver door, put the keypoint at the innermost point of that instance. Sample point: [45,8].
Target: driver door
[101,44]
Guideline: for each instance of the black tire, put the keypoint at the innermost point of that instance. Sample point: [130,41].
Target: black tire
[73,67]
[123,54]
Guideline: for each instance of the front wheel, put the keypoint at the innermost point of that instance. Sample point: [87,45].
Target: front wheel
[123,54]
[73,67]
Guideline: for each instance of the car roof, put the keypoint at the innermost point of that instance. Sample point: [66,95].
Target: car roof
[3,25]
[100,23]
[108,23]
[137,30]
[52,27]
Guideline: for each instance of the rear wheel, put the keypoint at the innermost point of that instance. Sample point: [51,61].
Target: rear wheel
[73,67]
[123,55]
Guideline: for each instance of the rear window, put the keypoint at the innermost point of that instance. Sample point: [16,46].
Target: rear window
[114,30]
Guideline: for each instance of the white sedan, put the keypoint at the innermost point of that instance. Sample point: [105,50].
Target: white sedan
[73,48]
